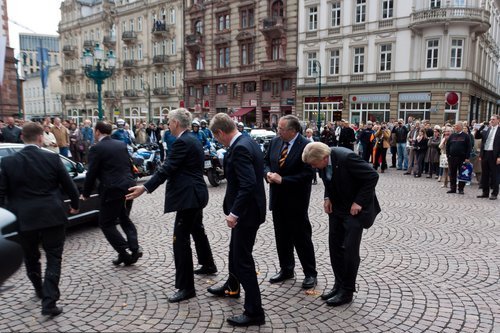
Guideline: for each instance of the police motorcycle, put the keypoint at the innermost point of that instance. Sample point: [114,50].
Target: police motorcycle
[213,169]
[146,158]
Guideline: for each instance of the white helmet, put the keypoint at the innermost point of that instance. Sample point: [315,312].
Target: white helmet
[195,123]
[120,123]
[241,124]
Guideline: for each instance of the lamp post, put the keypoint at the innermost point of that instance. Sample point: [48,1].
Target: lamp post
[98,68]
[318,66]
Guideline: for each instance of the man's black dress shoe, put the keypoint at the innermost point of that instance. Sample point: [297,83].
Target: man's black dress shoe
[309,282]
[342,297]
[493,197]
[330,293]
[281,276]
[483,196]
[245,320]
[182,295]
[124,258]
[224,291]
[206,270]
[460,192]
[452,191]
[135,256]
[55,311]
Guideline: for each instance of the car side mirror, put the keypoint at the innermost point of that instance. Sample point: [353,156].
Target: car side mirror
[79,167]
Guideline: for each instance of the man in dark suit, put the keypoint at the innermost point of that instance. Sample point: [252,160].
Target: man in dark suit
[187,194]
[351,205]
[109,162]
[347,136]
[245,209]
[30,186]
[290,191]
[490,157]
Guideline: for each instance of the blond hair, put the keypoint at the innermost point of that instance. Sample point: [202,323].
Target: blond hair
[315,152]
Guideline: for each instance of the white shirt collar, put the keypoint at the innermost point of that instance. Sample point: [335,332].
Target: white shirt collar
[236,136]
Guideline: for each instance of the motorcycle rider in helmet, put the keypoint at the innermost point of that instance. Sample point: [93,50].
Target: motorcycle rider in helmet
[200,135]
[121,133]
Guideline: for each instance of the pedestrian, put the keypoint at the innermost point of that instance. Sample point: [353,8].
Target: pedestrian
[141,136]
[351,205]
[289,181]
[186,194]
[432,156]
[490,157]
[347,136]
[245,208]
[382,138]
[443,159]
[11,133]
[458,148]
[62,137]
[49,140]
[87,138]
[30,187]
[420,147]
[401,133]
[109,162]
[367,140]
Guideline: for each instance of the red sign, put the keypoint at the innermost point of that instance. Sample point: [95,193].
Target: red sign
[451,98]
[206,104]
[181,104]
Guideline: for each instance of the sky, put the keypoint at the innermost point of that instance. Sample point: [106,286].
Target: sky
[40,16]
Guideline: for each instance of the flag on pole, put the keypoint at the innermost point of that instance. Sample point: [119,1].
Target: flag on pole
[43,61]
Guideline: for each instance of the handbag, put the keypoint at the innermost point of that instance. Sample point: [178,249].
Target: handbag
[465,172]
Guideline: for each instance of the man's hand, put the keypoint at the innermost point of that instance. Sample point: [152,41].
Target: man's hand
[466,160]
[231,221]
[274,178]
[83,198]
[327,205]
[73,211]
[498,160]
[355,209]
[135,192]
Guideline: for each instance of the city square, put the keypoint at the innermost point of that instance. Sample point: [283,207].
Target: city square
[429,264]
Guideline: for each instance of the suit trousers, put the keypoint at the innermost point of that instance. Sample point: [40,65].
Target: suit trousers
[53,243]
[490,173]
[189,222]
[344,240]
[242,267]
[454,164]
[292,228]
[110,212]
[394,152]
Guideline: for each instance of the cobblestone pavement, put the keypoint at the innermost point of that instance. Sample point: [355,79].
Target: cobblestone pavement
[430,263]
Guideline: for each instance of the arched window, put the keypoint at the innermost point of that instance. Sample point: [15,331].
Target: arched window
[198,27]
[277,9]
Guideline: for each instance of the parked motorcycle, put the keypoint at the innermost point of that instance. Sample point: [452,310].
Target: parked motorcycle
[214,164]
[146,158]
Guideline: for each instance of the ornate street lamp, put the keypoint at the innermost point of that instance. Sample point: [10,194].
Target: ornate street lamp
[98,68]
[317,64]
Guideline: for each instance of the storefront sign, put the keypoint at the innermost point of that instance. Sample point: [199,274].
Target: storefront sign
[415,97]
[370,98]
[253,102]
[144,110]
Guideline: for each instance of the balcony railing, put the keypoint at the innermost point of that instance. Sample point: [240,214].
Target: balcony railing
[128,36]
[160,59]
[71,97]
[159,29]
[478,17]
[109,41]
[69,50]
[274,27]
[194,41]
[69,72]
[129,63]
[110,94]
[91,95]
[160,91]
[131,93]
[89,44]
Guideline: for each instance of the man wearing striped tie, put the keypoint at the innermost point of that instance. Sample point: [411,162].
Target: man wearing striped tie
[290,190]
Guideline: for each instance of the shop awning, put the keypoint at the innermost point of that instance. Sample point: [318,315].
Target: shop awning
[242,112]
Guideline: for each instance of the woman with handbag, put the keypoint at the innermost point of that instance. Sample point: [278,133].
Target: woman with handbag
[382,137]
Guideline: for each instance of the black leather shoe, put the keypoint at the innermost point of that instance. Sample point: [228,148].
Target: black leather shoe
[182,295]
[224,291]
[483,196]
[493,197]
[281,276]
[309,282]
[330,293]
[341,298]
[452,191]
[123,258]
[135,256]
[206,270]
[460,192]
[245,320]
[55,311]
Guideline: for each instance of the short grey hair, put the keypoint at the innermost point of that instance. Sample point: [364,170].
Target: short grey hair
[292,122]
[222,122]
[183,116]
[315,152]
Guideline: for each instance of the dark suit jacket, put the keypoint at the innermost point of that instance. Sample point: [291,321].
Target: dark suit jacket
[296,175]
[30,187]
[157,133]
[109,162]
[483,134]
[245,196]
[353,180]
[183,171]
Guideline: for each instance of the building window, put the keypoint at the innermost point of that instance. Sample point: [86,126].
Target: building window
[457,48]
[191,91]
[173,47]
[417,110]
[172,15]
[360,11]
[385,57]
[139,52]
[234,90]
[275,88]
[199,61]
[311,64]
[125,83]
[432,53]
[247,53]
[266,85]
[247,18]
[435,3]
[335,13]
[387,9]
[249,86]
[139,23]
[287,84]
[277,9]
[223,56]
[198,27]
[451,113]
[132,25]
[224,23]
[173,78]
[312,20]
[334,62]
[221,89]
[206,90]
[359,60]
[276,49]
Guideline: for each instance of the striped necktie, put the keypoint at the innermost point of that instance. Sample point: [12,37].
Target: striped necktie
[283,155]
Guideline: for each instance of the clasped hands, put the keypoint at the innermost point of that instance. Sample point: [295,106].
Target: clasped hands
[273,178]
[355,208]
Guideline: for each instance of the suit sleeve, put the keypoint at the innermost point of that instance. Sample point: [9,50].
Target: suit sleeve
[94,166]
[247,180]
[178,155]
[366,176]
[67,183]
[267,160]
[4,184]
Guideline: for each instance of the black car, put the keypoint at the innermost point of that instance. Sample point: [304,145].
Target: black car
[11,254]
[89,209]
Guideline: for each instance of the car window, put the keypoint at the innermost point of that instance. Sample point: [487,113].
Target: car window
[68,165]
[8,151]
